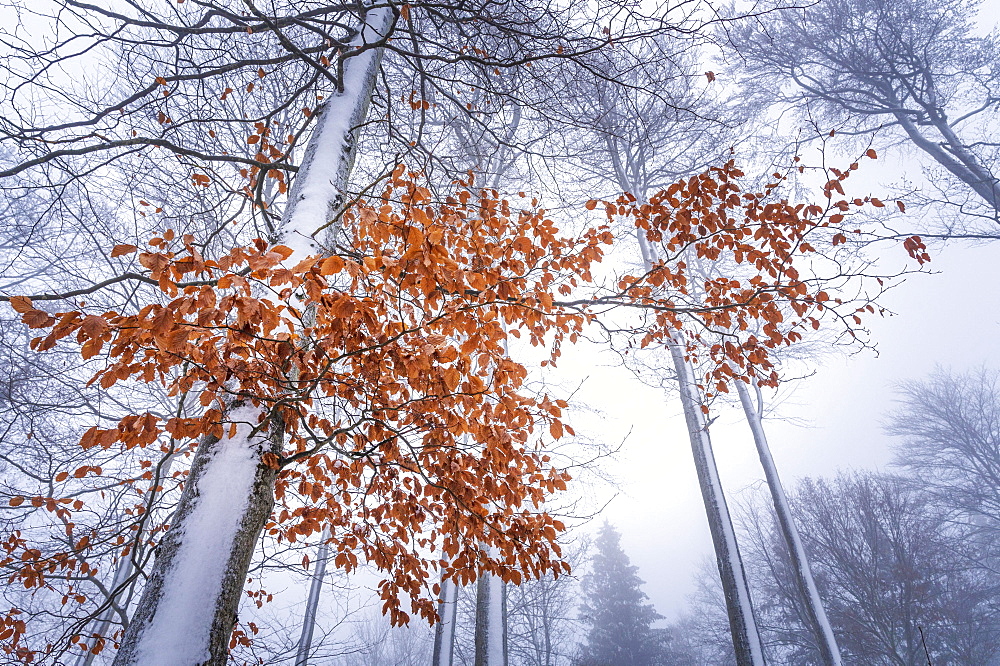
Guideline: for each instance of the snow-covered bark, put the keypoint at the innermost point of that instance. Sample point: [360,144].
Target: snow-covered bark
[491,621]
[826,642]
[444,633]
[742,624]
[739,606]
[304,648]
[189,604]
[320,186]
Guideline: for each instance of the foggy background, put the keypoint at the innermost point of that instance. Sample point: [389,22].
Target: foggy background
[831,421]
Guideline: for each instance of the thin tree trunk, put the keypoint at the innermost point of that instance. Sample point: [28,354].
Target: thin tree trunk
[103,621]
[304,649]
[816,618]
[121,582]
[189,605]
[742,624]
[739,606]
[491,621]
[444,633]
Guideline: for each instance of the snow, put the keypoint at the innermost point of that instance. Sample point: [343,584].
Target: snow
[324,168]
[178,634]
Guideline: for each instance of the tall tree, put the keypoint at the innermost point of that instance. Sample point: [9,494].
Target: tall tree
[614,606]
[222,111]
[812,604]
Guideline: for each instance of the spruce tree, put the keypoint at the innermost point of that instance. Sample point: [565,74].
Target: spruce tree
[621,632]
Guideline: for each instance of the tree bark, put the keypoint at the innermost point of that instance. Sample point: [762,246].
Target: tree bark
[444,633]
[742,624]
[152,638]
[304,648]
[739,606]
[491,622]
[189,604]
[816,618]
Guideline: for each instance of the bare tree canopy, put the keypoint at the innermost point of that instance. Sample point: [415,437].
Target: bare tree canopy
[915,68]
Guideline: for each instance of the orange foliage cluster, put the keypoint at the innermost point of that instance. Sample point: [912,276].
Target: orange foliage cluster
[761,302]
[406,427]
[406,430]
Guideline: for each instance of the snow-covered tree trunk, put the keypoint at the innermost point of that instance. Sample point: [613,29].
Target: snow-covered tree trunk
[189,604]
[826,642]
[742,625]
[444,633]
[304,649]
[491,621]
[190,601]
[318,192]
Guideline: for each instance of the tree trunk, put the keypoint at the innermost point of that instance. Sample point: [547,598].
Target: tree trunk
[444,633]
[491,622]
[742,625]
[189,604]
[124,578]
[312,602]
[739,607]
[958,160]
[816,618]
[103,621]
[319,190]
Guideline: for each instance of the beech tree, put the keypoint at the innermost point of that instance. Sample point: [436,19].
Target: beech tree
[304,49]
[631,130]
[339,361]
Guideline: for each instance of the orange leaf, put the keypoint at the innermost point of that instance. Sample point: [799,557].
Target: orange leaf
[331,265]
[17,501]
[283,250]
[21,304]
[119,250]
[37,319]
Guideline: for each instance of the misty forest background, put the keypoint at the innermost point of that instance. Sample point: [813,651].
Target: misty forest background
[122,121]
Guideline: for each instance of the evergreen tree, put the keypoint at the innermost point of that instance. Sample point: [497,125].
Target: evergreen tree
[621,632]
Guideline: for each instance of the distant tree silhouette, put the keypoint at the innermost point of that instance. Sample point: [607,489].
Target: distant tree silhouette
[615,608]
